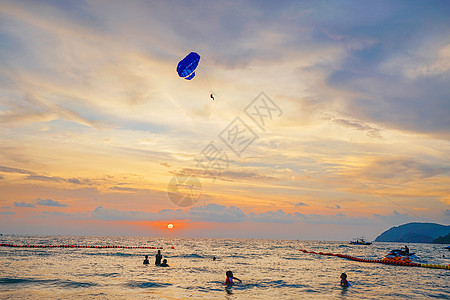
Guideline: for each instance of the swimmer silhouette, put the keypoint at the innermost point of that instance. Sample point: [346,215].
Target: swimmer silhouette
[344,282]
[230,277]
[158,258]
[146,262]
[164,263]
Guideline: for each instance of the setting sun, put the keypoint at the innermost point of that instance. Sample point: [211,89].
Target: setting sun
[170,226]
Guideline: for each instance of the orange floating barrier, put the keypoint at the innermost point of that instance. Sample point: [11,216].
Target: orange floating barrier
[79,246]
[381,261]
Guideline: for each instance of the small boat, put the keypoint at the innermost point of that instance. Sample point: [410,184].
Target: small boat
[360,241]
[401,255]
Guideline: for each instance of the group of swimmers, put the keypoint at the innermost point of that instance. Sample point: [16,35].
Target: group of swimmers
[158,258]
[229,274]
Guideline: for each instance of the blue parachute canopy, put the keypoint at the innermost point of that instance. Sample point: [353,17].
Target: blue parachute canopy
[187,66]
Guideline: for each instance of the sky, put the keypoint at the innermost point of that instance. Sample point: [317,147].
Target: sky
[330,119]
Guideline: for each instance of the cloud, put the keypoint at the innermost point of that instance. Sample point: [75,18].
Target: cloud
[14,154]
[298,204]
[23,204]
[81,181]
[78,181]
[220,213]
[227,175]
[49,202]
[278,216]
[333,207]
[420,63]
[33,176]
[400,169]
[44,178]
[124,189]
[446,212]
[72,216]
[110,214]
[395,218]
[74,180]
[401,101]
[209,213]
[56,214]
[14,170]
[35,109]
[358,125]
[7,213]
[332,219]
[217,213]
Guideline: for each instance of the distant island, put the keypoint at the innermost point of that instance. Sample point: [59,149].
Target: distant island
[417,233]
[442,240]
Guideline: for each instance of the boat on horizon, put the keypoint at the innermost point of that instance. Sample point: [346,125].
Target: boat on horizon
[360,241]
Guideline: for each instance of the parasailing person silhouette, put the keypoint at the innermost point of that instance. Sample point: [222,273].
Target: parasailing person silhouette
[187,69]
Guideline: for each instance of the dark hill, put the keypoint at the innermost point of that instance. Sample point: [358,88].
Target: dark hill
[414,233]
[442,239]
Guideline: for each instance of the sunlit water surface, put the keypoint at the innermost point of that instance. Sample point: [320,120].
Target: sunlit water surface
[269,269]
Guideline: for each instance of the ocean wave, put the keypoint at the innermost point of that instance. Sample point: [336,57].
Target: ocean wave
[108,274]
[73,284]
[121,254]
[53,282]
[274,284]
[205,289]
[283,284]
[188,256]
[14,280]
[292,258]
[146,284]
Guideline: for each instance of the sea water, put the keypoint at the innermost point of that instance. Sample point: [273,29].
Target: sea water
[269,269]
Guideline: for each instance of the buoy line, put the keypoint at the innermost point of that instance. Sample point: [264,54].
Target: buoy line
[78,246]
[381,261]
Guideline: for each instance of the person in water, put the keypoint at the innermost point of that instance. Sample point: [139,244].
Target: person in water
[230,277]
[344,282]
[406,249]
[158,258]
[164,263]
[214,258]
[146,262]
